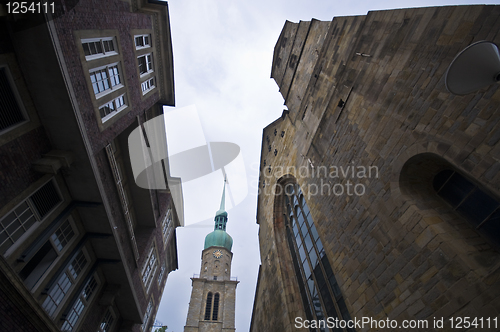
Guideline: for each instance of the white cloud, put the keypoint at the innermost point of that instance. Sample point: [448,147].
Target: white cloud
[222,55]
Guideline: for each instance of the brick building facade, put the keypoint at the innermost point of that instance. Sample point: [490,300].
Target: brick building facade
[82,247]
[379,189]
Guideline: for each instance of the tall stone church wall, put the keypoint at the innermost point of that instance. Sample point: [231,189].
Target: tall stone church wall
[368,93]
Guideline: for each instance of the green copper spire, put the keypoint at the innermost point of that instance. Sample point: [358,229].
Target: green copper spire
[222,209]
[219,237]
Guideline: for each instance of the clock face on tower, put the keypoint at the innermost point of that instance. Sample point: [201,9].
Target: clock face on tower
[217,253]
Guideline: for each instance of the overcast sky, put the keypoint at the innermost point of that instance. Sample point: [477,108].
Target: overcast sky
[222,65]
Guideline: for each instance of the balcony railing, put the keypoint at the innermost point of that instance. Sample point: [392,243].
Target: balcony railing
[123,200]
[197,276]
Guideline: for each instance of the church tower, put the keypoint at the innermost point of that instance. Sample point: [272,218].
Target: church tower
[213,296]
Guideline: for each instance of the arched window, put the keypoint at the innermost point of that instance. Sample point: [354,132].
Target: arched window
[319,290]
[212,311]
[480,209]
[215,313]
[208,308]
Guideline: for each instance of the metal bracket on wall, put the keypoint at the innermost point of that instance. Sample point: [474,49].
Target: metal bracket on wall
[345,103]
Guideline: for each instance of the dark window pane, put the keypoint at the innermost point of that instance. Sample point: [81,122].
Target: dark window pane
[307,270]
[92,48]
[456,189]
[37,265]
[98,47]
[295,228]
[302,253]
[478,206]
[10,112]
[314,258]
[491,229]
[308,242]
[441,179]
[300,218]
[314,234]
[303,227]
[208,307]
[216,307]
[305,208]
[86,49]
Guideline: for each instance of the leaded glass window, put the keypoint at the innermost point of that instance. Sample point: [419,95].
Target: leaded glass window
[107,321]
[208,307]
[479,208]
[318,286]
[215,312]
[66,280]
[79,306]
[150,267]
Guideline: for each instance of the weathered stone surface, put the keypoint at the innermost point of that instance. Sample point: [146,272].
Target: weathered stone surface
[370,93]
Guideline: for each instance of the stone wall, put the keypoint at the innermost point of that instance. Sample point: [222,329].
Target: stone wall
[397,250]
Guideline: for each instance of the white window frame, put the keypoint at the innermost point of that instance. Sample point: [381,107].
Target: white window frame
[105,321]
[149,69]
[147,315]
[150,267]
[148,85]
[81,301]
[17,96]
[116,110]
[166,226]
[111,88]
[74,281]
[34,214]
[59,253]
[162,272]
[104,53]
[145,45]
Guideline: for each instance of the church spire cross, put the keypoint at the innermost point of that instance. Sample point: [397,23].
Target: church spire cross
[221,215]
[223,200]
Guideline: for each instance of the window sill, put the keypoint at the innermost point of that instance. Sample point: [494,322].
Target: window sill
[137,48]
[145,92]
[112,114]
[108,91]
[146,73]
[99,56]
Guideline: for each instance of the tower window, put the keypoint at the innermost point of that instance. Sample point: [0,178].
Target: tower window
[479,208]
[208,307]
[212,307]
[215,313]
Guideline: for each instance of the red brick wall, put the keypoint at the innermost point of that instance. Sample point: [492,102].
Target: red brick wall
[92,15]
[16,157]
[11,318]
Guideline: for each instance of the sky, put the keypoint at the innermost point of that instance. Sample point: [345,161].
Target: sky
[222,65]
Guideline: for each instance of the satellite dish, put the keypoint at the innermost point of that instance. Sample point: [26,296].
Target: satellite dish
[475,67]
